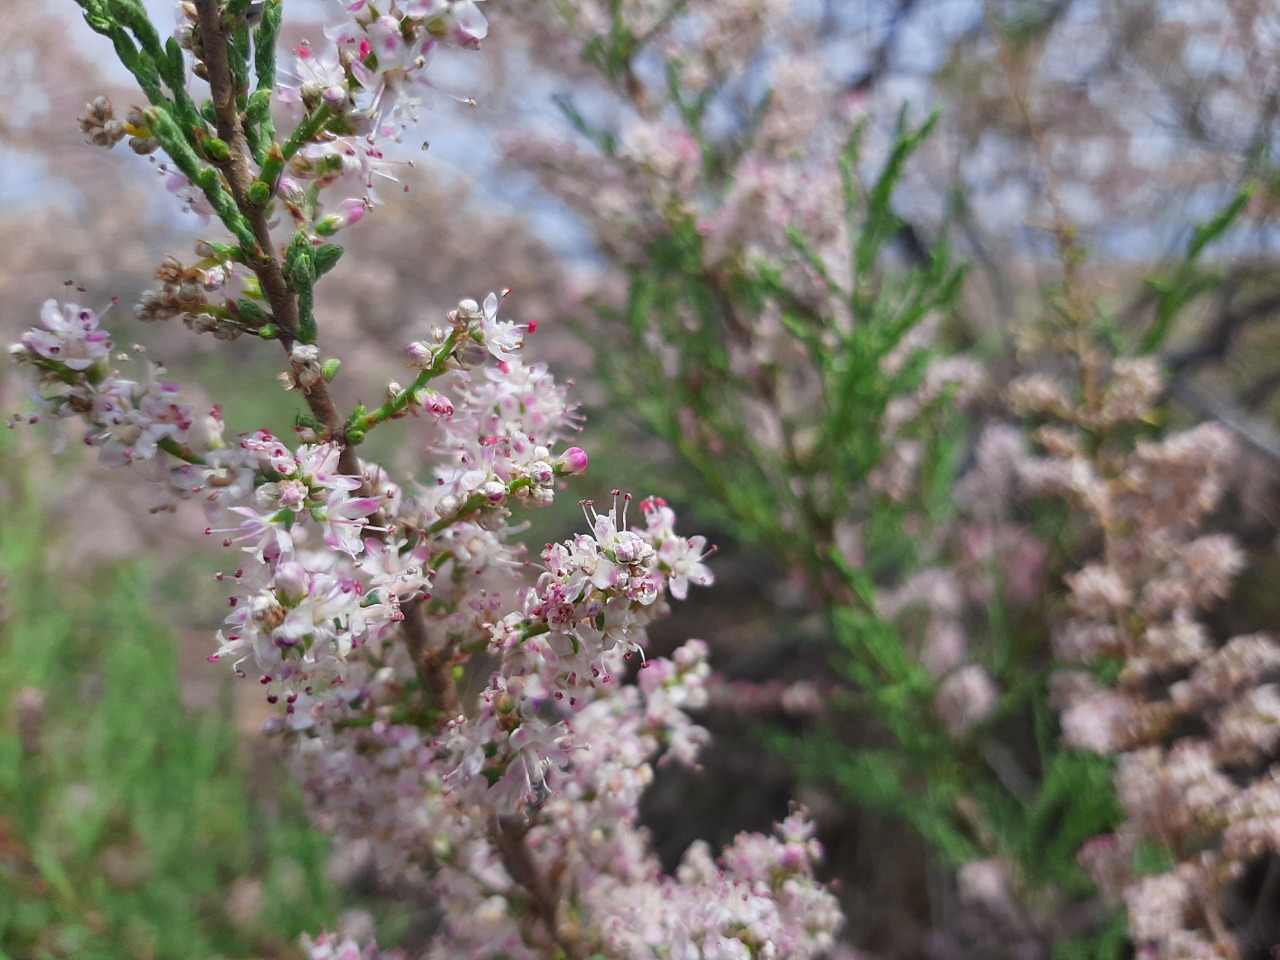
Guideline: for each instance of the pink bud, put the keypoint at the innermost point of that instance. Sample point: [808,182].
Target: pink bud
[290,580]
[575,460]
[349,211]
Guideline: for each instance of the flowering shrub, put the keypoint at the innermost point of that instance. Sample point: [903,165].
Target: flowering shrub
[458,706]
[1193,722]
[798,327]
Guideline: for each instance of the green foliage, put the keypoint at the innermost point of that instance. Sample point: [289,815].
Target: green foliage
[1111,944]
[326,258]
[788,501]
[300,269]
[883,780]
[126,819]
[991,791]
[1151,858]
[1189,281]
[1075,801]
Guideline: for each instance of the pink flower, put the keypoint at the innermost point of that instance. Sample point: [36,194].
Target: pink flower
[682,561]
[71,336]
[573,460]
[342,519]
[320,78]
[270,453]
[501,337]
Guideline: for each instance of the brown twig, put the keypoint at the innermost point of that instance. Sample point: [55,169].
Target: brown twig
[1075,310]
[508,834]
[431,661]
[265,261]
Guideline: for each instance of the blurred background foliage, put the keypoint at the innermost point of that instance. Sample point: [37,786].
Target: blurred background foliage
[129,825]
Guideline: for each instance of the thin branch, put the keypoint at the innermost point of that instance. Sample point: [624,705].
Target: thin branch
[508,835]
[431,660]
[239,176]
[432,665]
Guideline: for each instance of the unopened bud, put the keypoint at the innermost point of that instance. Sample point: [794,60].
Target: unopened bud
[304,358]
[463,316]
[290,582]
[349,212]
[437,404]
[170,270]
[574,461]
[469,353]
[144,146]
[336,98]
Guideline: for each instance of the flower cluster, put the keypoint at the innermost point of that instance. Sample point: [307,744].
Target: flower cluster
[464,711]
[71,354]
[332,562]
[600,889]
[656,171]
[1204,797]
[358,94]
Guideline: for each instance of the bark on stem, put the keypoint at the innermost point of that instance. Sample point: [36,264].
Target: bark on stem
[265,261]
[430,660]
[508,834]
